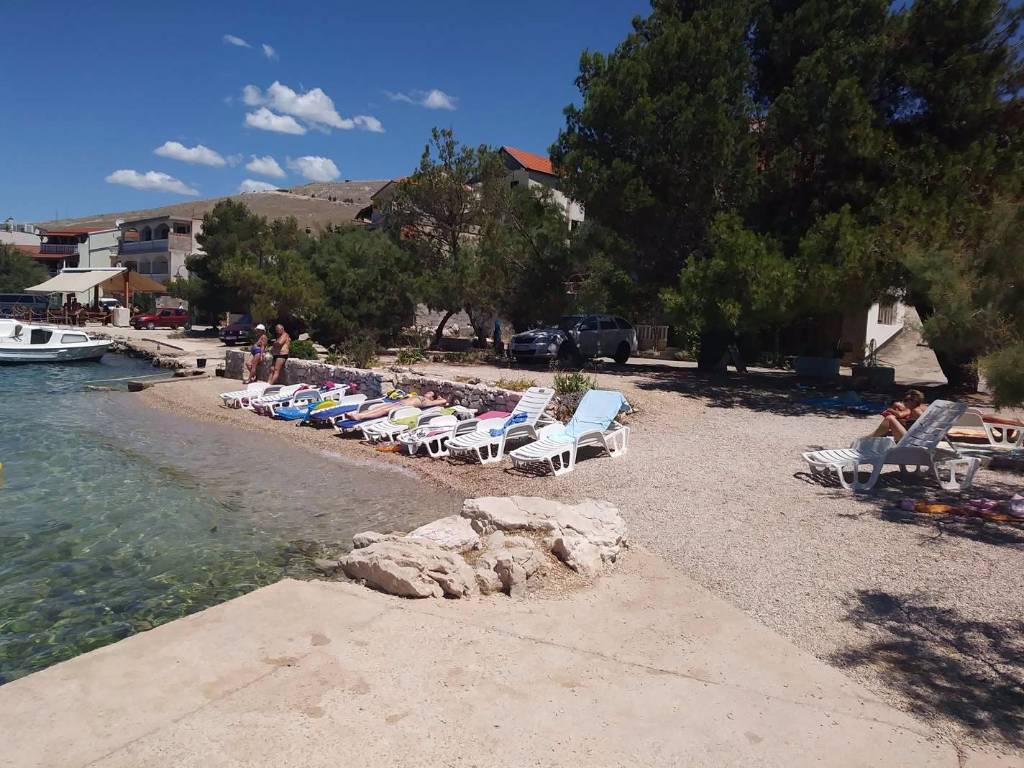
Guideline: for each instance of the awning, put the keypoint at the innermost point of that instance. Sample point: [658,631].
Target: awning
[76,280]
[136,284]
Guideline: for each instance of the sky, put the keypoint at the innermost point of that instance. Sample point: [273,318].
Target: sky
[113,106]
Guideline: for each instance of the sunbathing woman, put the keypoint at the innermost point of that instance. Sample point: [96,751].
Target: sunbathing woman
[900,415]
[426,400]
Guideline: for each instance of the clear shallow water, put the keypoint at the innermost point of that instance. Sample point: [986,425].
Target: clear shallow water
[115,518]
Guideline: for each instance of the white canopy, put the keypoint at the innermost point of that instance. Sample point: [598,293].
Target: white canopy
[75,280]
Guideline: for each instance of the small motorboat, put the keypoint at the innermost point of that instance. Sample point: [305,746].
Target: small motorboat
[28,343]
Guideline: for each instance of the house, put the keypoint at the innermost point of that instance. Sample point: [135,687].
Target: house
[158,246]
[77,248]
[871,328]
[533,171]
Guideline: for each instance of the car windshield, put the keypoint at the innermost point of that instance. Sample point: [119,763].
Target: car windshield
[568,322]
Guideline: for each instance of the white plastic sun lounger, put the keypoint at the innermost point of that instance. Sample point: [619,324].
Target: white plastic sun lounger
[390,428]
[999,435]
[256,389]
[919,448]
[305,397]
[593,424]
[261,404]
[474,438]
[432,435]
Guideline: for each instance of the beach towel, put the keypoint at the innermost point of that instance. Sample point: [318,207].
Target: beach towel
[339,410]
[847,401]
[515,418]
[596,411]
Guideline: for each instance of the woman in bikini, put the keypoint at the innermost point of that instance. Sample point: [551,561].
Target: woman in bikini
[256,350]
[280,350]
[900,415]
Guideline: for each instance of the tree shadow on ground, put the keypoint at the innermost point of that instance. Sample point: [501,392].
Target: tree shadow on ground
[945,664]
[883,503]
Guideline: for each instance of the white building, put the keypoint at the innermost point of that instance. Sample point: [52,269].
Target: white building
[158,246]
[533,171]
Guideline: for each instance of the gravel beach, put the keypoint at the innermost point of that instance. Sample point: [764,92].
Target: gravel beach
[926,612]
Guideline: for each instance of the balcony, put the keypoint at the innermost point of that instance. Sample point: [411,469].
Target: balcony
[144,246]
[58,248]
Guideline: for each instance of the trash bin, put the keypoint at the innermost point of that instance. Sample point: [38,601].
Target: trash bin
[122,317]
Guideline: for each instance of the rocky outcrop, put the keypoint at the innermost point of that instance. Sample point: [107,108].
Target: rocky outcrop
[494,545]
[410,568]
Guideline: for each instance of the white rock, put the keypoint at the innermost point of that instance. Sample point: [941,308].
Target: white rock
[411,568]
[367,538]
[578,553]
[454,533]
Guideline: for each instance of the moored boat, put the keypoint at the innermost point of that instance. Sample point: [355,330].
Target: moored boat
[29,343]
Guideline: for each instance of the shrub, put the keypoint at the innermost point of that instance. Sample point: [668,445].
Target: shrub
[304,350]
[573,383]
[409,355]
[516,385]
[355,351]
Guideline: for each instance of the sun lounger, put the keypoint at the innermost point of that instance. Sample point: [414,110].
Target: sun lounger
[435,434]
[919,448]
[593,424]
[302,412]
[407,417]
[270,395]
[262,405]
[998,435]
[256,389]
[487,441]
[306,397]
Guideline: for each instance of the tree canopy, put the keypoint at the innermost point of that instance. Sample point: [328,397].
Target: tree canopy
[764,160]
[18,271]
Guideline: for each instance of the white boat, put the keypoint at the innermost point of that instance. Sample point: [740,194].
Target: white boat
[29,343]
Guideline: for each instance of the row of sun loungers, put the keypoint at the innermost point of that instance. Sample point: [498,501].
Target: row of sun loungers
[454,431]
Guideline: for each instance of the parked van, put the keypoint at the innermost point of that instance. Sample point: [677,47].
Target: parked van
[19,304]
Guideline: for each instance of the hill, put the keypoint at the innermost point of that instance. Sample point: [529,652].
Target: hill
[315,205]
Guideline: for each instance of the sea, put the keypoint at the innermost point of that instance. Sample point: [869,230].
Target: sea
[116,518]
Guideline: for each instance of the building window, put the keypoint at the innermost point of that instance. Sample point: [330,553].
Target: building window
[181,228]
[887,313]
[515,183]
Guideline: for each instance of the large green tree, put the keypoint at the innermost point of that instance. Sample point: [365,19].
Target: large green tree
[251,265]
[18,271]
[764,160]
[369,286]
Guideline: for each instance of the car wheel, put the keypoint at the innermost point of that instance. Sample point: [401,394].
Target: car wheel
[621,354]
[228,343]
[188,326]
[150,326]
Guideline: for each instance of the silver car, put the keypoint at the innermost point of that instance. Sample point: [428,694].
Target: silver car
[577,337]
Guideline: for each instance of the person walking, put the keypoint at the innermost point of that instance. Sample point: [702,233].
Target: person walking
[280,351]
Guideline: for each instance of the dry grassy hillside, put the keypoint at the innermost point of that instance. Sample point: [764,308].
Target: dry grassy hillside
[313,205]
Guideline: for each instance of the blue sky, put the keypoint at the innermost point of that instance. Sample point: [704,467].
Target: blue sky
[93,89]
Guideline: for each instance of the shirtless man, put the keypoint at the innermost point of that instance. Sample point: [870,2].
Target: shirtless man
[426,400]
[280,351]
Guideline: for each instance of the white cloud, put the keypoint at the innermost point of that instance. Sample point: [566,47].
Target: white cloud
[197,155]
[265,166]
[251,185]
[315,168]
[266,120]
[252,96]
[314,107]
[151,180]
[432,99]
[235,40]
[269,51]
[234,160]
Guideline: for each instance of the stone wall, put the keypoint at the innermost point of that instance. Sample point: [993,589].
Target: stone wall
[374,383]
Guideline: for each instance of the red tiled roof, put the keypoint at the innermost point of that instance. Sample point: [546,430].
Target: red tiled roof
[531,161]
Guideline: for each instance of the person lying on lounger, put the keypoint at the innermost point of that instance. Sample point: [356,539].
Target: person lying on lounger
[900,415]
[426,400]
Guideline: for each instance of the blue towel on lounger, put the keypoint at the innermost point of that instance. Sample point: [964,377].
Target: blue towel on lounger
[326,414]
[596,411]
[515,418]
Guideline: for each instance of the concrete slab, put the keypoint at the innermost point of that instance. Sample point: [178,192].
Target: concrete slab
[645,669]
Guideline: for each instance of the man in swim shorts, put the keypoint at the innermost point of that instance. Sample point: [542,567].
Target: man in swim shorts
[280,351]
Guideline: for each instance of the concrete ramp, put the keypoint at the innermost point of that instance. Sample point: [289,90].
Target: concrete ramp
[646,669]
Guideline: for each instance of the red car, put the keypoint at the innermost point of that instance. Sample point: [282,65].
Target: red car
[161,318]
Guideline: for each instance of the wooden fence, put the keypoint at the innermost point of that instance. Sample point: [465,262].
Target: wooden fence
[652,336]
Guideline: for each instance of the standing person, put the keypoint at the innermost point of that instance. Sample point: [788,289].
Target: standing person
[280,350]
[499,345]
[256,350]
